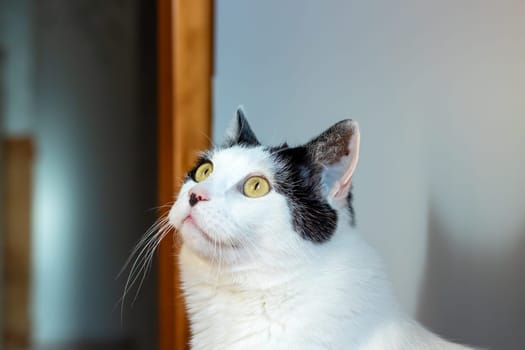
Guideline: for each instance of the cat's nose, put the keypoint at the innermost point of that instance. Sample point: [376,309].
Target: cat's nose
[198,195]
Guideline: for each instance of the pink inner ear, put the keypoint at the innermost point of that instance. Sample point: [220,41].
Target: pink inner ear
[341,186]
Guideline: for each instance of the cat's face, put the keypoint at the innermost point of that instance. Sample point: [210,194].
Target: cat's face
[246,203]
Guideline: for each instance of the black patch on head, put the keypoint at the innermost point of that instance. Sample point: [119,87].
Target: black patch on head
[201,160]
[300,181]
[242,134]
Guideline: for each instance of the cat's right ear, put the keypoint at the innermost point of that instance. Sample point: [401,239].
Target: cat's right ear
[337,150]
[240,132]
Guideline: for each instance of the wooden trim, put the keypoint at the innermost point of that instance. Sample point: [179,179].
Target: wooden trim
[17,193]
[185,32]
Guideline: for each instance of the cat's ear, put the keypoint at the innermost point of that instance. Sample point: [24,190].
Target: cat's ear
[240,132]
[337,150]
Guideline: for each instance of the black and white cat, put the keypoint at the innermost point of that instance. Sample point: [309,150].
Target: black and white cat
[270,256]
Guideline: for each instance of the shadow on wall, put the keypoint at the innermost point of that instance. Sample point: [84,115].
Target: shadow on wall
[472,297]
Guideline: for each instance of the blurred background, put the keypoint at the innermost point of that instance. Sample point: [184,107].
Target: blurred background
[438,90]
[78,82]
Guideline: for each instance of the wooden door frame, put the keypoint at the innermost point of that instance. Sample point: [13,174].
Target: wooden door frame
[16,176]
[185,62]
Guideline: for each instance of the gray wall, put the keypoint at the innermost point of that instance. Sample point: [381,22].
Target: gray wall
[16,39]
[437,88]
[93,179]
[78,81]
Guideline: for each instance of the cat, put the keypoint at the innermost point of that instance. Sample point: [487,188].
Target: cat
[271,258]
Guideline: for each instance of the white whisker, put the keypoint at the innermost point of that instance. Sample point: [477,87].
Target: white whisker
[141,257]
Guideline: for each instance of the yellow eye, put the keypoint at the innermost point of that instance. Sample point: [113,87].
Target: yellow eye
[203,171]
[256,186]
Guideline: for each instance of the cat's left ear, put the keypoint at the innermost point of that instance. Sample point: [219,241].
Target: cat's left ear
[240,132]
[337,150]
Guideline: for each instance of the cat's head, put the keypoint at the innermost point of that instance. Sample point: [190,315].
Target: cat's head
[245,201]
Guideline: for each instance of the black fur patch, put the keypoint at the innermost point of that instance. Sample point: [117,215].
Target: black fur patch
[300,181]
[350,199]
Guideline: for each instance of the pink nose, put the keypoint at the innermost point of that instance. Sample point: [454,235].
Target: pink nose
[198,194]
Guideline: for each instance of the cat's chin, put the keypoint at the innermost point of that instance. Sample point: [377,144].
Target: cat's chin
[191,222]
[224,258]
[202,243]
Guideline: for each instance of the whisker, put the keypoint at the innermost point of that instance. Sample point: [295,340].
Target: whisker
[149,259]
[208,138]
[141,257]
[149,233]
[165,206]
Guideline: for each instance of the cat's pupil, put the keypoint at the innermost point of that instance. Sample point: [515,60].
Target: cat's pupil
[256,186]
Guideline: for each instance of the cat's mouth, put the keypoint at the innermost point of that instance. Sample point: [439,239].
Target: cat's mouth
[191,221]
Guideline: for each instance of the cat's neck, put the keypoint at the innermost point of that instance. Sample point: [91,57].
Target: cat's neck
[344,262]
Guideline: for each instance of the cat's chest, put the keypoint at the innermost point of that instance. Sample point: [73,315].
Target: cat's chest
[330,311]
[233,319]
[238,316]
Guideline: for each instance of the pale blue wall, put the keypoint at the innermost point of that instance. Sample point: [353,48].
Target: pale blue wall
[437,88]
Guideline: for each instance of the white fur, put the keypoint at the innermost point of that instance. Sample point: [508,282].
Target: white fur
[259,285]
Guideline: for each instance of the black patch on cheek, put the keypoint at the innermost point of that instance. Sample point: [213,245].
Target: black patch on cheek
[300,181]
